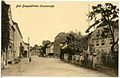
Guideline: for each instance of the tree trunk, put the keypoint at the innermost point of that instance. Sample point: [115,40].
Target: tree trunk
[6,60]
[112,47]
[112,34]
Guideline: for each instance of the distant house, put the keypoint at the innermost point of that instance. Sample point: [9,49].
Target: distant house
[101,41]
[25,45]
[49,50]
[35,50]
[60,38]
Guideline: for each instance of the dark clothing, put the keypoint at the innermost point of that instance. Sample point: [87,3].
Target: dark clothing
[29,59]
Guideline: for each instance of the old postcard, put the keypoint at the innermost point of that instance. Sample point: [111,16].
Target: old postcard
[59,38]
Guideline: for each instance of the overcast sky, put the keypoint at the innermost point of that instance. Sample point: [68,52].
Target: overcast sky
[45,23]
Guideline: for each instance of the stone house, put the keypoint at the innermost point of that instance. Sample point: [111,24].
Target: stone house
[101,41]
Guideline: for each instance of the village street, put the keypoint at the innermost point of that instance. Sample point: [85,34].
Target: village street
[48,67]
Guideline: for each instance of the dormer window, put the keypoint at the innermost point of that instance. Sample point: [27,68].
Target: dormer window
[97,43]
[92,43]
[111,41]
[103,42]
[98,33]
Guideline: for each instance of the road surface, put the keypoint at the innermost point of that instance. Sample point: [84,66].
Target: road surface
[48,67]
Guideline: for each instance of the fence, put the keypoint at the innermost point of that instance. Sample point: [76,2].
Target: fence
[103,63]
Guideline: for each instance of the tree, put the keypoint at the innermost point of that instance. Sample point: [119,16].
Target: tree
[45,43]
[77,42]
[59,39]
[5,26]
[35,47]
[108,15]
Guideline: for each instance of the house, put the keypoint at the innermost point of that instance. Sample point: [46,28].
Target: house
[17,40]
[15,37]
[8,53]
[49,50]
[60,38]
[11,54]
[101,40]
[25,45]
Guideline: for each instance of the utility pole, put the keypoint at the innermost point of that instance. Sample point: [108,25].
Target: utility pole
[88,26]
[28,47]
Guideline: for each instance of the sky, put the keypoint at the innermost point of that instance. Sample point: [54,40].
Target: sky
[45,23]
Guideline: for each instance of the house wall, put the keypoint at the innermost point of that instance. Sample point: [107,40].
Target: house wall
[100,44]
[17,41]
[49,50]
[10,53]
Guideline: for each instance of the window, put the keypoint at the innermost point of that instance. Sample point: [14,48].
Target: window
[10,46]
[111,41]
[103,51]
[109,35]
[98,33]
[103,42]
[92,43]
[97,43]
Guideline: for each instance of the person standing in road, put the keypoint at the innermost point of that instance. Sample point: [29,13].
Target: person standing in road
[30,59]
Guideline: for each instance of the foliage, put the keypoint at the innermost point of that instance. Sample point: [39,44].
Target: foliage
[35,47]
[5,26]
[72,41]
[108,16]
[45,43]
[77,42]
[59,39]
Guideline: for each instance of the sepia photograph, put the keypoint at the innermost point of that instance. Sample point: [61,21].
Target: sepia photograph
[59,38]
